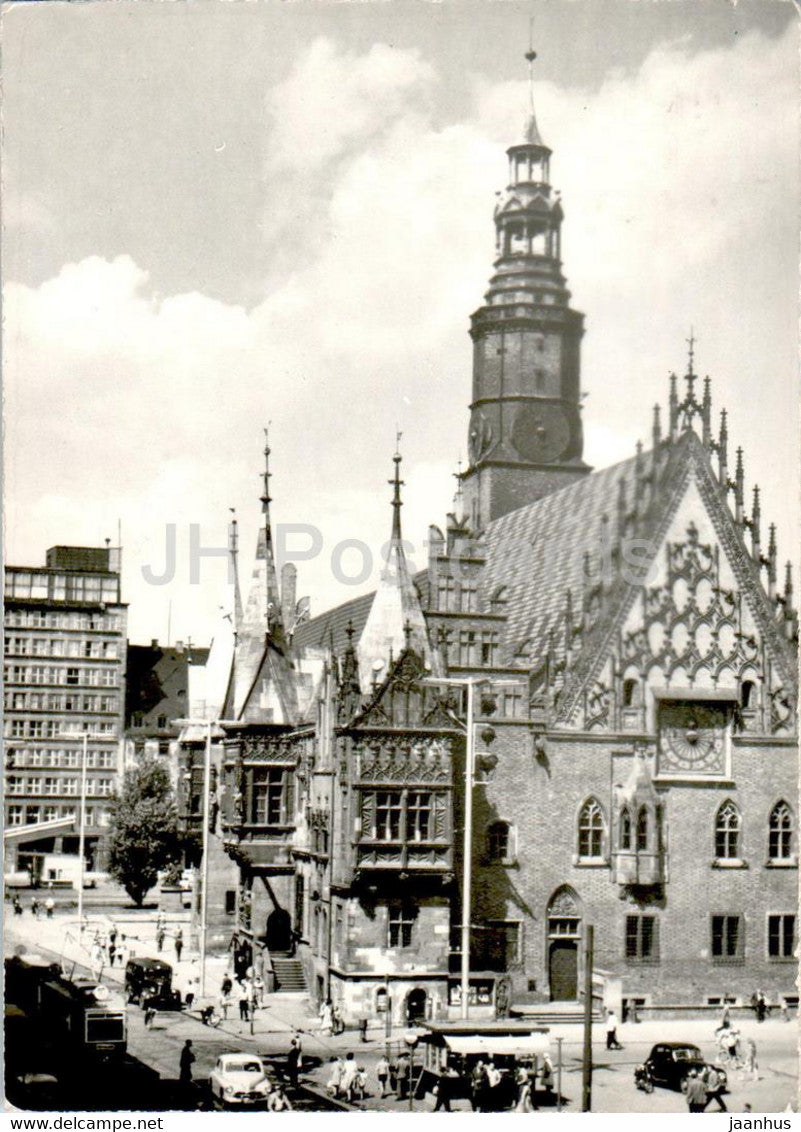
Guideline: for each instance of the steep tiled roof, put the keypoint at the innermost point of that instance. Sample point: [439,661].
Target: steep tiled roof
[538,552]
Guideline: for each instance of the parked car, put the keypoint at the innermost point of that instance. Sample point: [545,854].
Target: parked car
[239,1079]
[669,1064]
[151,979]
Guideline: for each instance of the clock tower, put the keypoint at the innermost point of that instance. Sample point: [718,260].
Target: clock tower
[525,437]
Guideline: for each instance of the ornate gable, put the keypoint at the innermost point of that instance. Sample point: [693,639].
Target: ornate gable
[404,701]
[701,622]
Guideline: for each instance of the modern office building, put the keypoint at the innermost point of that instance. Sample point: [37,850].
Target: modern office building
[64,686]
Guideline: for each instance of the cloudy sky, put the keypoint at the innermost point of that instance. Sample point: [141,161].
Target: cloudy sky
[222,214]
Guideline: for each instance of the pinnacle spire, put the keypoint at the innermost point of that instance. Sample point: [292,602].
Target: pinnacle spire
[396,620]
[532,134]
[396,483]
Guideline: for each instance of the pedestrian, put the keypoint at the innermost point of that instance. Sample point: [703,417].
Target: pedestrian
[493,1075]
[751,1063]
[258,991]
[150,1012]
[393,1075]
[35,908]
[112,951]
[277,1100]
[337,1025]
[293,1059]
[159,937]
[713,1083]
[404,1076]
[327,1017]
[348,1077]
[761,1006]
[112,933]
[49,906]
[523,1086]
[611,1031]
[179,945]
[382,1073]
[17,903]
[244,1005]
[696,1092]
[445,1089]
[478,1086]
[225,1003]
[547,1073]
[334,1083]
[360,1083]
[186,1062]
[227,985]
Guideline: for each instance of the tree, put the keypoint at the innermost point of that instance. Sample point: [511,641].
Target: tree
[144,835]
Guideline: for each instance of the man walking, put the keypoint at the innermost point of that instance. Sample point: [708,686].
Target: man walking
[696,1092]
[293,1063]
[49,906]
[611,1031]
[186,1063]
[382,1073]
[179,945]
[714,1088]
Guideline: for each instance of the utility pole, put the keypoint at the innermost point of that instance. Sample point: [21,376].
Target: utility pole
[586,1061]
[82,831]
[467,856]
[204,891]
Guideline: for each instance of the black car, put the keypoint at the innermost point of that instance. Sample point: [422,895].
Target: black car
[150,980]
[669,1064]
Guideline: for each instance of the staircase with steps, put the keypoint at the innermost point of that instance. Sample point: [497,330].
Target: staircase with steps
[289,976]
[552,1013]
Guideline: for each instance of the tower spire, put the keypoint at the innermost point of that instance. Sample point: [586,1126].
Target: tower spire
[396,483]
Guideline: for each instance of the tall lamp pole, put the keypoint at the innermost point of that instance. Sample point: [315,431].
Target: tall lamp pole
[82,831]
[468,682]
[205,875]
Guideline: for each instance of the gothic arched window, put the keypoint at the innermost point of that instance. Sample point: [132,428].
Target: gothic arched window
[727,832]
[625,828]
[631,693]
[642,828]
[590,829]
[780,832]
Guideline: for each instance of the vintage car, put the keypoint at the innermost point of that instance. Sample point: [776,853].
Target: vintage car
[669,1064]
[150,981]
[239,1079]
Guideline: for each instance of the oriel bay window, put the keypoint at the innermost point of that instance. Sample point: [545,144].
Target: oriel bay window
[402,815]
[271,801]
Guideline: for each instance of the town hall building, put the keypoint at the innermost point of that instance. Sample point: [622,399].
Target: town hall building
[633,642]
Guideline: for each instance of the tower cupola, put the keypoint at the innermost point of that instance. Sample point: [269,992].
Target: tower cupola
[525,436]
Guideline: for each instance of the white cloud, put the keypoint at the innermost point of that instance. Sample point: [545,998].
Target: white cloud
[680,194]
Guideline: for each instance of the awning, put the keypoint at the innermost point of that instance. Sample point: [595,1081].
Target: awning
[513,1045]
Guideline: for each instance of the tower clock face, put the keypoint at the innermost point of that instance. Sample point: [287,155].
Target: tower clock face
[541,433]
[692,738]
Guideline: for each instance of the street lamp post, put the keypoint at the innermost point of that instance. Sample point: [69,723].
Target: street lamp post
[468,682]
[82,831]
[205,874]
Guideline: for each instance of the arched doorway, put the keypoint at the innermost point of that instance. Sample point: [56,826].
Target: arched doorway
[564,933]
[416,1006]
[278,935]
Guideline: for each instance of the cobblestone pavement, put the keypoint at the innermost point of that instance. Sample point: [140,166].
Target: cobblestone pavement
[775,1087]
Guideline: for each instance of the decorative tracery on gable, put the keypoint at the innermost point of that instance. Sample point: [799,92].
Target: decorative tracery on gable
[691,623]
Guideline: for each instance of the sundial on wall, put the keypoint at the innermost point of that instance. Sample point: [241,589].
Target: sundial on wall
[541,433]
[692,737]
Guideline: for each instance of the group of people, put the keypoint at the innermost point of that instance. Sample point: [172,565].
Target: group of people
[347,1079]
[107,948]
[704,1087]
[731,1046]
[48,904]
[330,1018]
[161,935]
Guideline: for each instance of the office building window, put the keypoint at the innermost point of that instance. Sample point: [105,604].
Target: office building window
[727,938]
[781,936]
